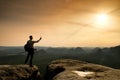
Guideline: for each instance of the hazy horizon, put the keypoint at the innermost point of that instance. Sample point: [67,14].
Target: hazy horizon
[61,23]
[67,46]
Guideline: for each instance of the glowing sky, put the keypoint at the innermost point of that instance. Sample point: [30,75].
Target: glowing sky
[60,22]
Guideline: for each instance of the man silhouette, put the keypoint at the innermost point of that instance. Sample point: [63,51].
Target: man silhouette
[30,44]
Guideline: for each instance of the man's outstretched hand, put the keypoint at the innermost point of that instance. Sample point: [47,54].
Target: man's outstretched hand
[40,38]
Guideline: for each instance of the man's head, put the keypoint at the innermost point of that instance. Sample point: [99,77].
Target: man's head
[30,37]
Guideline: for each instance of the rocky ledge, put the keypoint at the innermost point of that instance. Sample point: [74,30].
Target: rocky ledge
[67,69]
[19,72]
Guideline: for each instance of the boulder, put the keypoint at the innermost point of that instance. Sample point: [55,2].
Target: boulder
[67,69]
[19,72]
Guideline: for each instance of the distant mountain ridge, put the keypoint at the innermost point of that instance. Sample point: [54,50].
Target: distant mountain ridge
[108,56]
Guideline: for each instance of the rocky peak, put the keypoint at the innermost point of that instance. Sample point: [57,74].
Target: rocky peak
[19,72]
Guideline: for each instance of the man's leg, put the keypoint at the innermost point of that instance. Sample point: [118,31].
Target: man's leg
[26,60]
[31,58]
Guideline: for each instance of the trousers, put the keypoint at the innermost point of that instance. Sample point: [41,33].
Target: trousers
[30,55]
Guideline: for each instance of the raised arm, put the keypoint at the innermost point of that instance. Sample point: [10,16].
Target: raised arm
[38,40]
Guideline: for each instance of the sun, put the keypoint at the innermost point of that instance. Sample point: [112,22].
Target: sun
[102,18]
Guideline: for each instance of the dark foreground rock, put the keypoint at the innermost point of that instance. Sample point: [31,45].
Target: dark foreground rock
[19,72]
[78,70]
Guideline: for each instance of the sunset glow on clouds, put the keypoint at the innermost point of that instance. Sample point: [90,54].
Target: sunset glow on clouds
[60,22]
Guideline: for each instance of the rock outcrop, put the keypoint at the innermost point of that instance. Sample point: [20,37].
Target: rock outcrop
[19,72]
[68,69]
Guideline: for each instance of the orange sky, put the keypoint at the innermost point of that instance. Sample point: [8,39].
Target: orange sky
[67,23]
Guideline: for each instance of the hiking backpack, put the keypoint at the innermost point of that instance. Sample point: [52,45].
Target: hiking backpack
[26,47]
